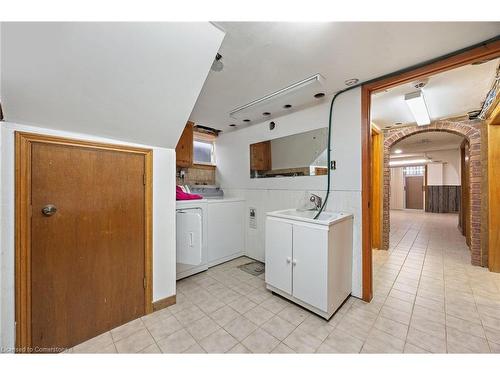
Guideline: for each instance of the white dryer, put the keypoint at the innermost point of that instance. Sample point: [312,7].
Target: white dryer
[191,237]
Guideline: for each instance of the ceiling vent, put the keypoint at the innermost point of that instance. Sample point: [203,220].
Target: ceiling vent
[282,101]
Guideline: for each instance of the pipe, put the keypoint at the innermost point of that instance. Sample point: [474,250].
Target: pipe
[398,72]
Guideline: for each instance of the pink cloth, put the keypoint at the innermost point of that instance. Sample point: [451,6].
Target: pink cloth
[180,195]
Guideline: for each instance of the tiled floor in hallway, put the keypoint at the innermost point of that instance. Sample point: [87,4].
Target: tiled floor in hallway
[427,298]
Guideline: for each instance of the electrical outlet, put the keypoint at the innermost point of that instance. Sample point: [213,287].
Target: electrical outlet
[252,222]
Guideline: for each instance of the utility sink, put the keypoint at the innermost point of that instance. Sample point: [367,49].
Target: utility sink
[325,218]
[309,261]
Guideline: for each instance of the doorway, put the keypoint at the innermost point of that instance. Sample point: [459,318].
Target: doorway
[83,240]
[475,54]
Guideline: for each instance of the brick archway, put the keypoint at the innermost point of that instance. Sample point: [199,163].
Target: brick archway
[470,130]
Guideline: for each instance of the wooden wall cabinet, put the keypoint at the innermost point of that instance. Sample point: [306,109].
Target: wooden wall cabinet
[260,156]
[184,148]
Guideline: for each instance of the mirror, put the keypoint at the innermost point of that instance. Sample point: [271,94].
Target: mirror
[302,154]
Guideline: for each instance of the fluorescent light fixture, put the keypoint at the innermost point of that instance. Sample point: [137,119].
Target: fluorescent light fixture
[418,108]
[396,163]
[398,151]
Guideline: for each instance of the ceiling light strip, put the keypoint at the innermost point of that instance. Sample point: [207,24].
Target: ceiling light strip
[295,86]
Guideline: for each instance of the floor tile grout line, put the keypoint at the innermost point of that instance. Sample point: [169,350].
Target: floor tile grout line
[416,292]
[385,300]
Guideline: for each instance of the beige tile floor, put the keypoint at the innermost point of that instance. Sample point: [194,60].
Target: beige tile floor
[427,298]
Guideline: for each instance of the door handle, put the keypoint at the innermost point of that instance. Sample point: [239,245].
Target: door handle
[294,262]
[190,239]
[288,260]
[49,210]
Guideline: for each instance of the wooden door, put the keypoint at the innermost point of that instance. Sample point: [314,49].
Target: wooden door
[414,192]
[464,216]
[88,259]
[184,148]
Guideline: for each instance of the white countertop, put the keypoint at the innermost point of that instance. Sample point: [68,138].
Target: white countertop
[207,201]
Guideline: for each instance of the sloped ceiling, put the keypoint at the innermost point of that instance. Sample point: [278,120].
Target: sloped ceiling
[135,82]
[262,57]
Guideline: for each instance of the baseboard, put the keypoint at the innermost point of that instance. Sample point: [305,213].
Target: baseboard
[164,303]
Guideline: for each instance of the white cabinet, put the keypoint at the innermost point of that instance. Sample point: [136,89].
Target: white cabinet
[279,256]
[226,231]
[310,264]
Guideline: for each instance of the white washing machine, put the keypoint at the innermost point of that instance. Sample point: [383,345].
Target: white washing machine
[191,237]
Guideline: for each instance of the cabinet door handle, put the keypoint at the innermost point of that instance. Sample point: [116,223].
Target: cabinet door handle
[294,262]
[288,260]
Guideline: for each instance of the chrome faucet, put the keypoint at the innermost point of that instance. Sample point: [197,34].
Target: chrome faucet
[316,199]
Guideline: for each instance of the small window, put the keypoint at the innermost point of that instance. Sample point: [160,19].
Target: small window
[417,170]
[204,152]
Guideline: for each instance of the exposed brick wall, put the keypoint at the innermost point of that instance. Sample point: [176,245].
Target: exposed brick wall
[471,130]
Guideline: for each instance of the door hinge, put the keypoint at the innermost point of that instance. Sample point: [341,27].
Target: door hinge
[144,179]
[144,283]
[31,210]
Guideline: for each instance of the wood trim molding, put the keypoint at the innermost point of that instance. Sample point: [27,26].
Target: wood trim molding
[493,187]
[484,52]
[164,303]
[377,186]
[366,191]
[204,166]
[23,142]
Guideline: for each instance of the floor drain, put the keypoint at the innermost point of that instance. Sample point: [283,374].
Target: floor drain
[253,268]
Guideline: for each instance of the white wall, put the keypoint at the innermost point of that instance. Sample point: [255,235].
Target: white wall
[133,81]
[163,220]
[445,173]
[268,194]
[397,201]
[435,174]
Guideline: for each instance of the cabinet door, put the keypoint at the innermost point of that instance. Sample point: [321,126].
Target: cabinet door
[279,255]
[184,148]
[226,231]
[310,266]
[260,156]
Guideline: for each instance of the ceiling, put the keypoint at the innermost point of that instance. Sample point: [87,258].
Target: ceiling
[448,94]
[428,141]
[130,81]
[262,57]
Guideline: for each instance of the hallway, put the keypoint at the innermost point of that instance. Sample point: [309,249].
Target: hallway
[428,292]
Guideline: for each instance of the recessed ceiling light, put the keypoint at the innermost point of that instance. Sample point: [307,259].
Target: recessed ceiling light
[398,151]
[350,82]
[232,125]
[319,95]
[266,113]
[246,120]
[287,106]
